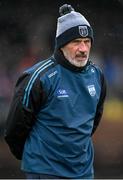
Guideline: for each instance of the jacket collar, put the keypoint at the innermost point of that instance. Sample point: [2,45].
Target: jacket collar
[65,63]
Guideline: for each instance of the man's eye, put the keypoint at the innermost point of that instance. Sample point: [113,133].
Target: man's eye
[87,41]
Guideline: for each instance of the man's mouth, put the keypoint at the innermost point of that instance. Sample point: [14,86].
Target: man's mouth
[81,56]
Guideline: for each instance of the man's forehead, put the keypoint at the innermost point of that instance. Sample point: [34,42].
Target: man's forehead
[81,39]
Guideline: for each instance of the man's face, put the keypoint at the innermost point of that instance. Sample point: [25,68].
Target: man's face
[77,51]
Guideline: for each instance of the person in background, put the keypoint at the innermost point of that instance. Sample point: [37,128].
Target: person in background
[57,106]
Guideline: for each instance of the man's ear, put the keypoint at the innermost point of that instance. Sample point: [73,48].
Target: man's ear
[61,49]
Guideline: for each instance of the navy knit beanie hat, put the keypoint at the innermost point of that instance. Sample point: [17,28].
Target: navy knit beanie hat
[71,25]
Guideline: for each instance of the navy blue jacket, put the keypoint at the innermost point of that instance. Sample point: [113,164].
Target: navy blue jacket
[55,110]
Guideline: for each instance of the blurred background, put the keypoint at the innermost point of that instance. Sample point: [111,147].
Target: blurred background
[27,35]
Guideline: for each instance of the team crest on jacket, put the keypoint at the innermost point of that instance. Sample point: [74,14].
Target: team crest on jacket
[92,90]
[83,31]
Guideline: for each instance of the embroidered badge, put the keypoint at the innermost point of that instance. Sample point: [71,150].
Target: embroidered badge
[92,90]
[83,31]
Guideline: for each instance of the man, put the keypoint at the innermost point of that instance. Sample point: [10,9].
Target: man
[57,106]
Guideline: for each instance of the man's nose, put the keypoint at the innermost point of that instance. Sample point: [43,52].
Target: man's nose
[82,47]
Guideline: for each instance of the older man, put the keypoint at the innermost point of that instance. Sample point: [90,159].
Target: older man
[57,106]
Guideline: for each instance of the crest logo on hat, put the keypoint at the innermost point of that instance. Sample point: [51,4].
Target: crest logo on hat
[83,31]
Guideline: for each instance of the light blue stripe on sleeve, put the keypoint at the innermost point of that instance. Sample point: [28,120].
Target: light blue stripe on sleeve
[32,80]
